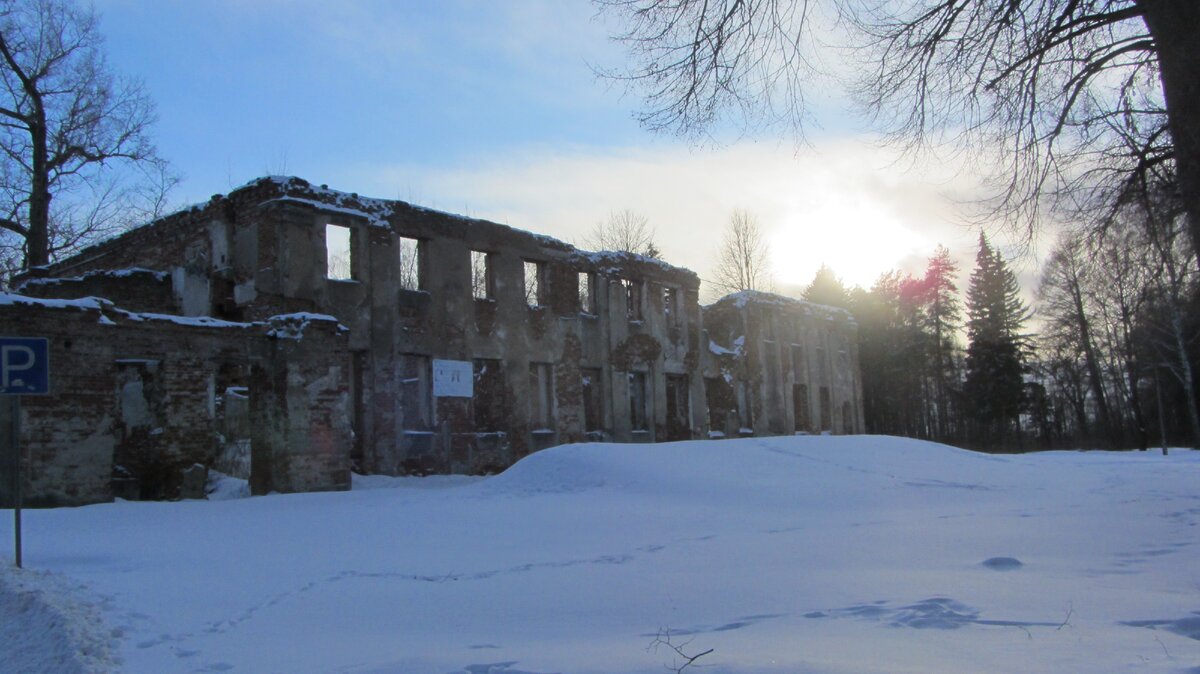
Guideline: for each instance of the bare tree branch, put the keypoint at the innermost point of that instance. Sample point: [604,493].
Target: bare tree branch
[76,161]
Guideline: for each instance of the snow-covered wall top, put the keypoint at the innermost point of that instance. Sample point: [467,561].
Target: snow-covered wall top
[105,273]
[289,326]
[746,298]
[168,233]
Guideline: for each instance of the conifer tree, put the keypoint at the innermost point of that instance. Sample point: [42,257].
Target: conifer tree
[994,388]
[826,288]
[943,318]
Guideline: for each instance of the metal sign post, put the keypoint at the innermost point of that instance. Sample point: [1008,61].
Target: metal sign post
[24,370]
[15,425]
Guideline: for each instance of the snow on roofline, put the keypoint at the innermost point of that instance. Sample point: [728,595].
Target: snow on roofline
[110,273]
[745,297]
[296,322]
[613,261]
[385,207]
[293,184]
[377,212]
[83,304]
[190,321]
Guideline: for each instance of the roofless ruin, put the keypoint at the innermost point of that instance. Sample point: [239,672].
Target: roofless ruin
[290,334]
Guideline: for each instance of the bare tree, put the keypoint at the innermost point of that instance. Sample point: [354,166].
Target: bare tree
[74,149]
[742,261]
[1079,97]
[625,231]
[1174,280]
[1064,291]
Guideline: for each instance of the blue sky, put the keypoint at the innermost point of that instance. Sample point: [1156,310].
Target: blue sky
[493,110]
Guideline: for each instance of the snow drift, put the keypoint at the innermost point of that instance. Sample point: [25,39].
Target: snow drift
[805,554]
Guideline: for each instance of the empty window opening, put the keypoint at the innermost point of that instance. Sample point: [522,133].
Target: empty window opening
[633,299]
[541,399]
[717,394]
[412,263]
[587,293]
[488,404]
[593,409]
[671,308]
[481,275]
[338,265]
[638,419]
[535,283]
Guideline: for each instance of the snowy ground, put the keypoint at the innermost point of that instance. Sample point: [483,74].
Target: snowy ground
[783,555]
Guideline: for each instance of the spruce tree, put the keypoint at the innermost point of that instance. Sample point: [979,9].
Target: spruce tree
[826,288]
[994,388]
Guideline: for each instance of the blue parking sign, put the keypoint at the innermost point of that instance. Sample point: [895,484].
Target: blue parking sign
[24,366]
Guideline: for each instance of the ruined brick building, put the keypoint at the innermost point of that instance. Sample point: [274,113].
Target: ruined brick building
[290,334]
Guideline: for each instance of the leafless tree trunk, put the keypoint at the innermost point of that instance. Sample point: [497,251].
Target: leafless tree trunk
[65,123]
[1174,26]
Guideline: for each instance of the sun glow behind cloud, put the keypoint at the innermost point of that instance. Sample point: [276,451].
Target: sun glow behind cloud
[837,204]
[856,235]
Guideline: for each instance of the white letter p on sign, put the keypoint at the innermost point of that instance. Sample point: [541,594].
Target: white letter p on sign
[14,358]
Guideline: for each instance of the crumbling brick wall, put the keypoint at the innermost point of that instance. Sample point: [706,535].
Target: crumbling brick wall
[133,400]
[260,251]
[139,289]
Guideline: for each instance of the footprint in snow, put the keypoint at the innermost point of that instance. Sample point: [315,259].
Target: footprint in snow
[1003,563]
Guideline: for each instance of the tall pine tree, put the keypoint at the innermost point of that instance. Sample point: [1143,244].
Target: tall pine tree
[994,387]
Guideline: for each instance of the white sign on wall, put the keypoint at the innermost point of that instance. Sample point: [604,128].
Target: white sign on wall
[453,379]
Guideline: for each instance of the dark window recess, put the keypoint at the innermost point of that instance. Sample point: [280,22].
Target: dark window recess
[637,402]
[678,410]
[488,403]
[826,410]
[716,398]
[593,410]
[800,406]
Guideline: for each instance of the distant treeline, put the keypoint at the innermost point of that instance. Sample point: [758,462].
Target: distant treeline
[1111,365]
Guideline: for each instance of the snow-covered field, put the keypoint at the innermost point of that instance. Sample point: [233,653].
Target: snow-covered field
[782,555]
